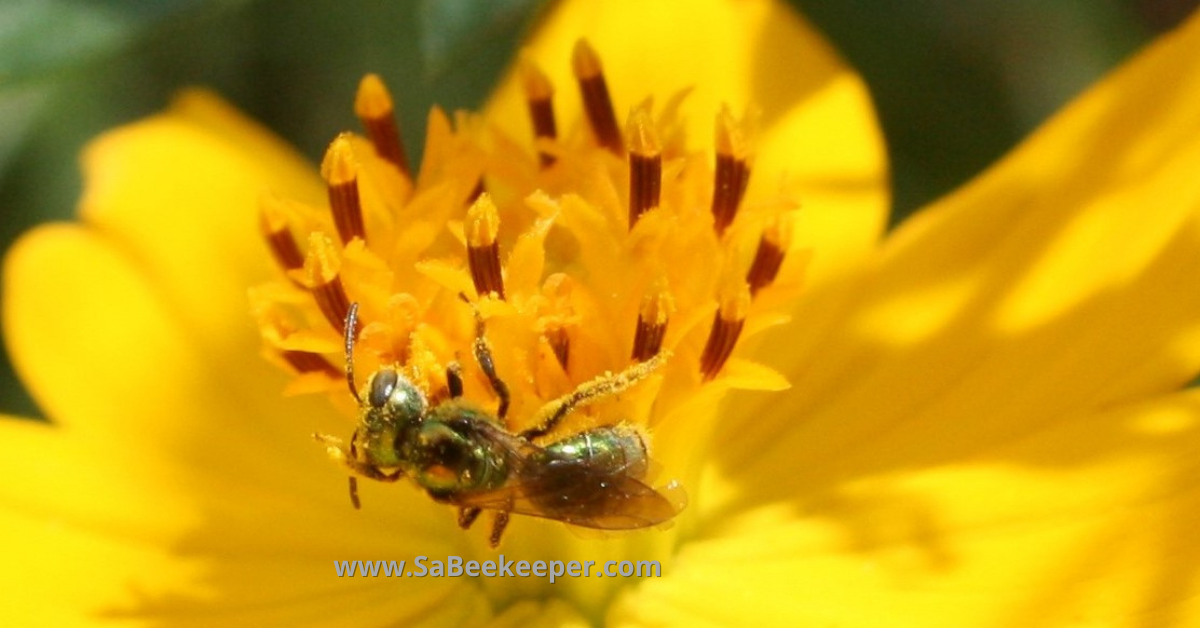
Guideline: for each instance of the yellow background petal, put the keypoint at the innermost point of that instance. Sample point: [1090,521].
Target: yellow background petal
[947,451]
[1087,522]
[178,193]
[163,453]
[1051,286]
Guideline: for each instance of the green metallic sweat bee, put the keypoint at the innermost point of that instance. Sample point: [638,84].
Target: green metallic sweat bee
[462,455]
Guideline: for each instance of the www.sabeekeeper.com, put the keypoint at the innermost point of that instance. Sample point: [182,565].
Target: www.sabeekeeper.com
[456,567]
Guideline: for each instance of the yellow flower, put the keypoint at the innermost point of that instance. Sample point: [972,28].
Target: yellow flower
[984,426]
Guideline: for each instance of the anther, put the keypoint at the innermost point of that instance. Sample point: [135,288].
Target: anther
[539,94]
[341,176]
[726,327]
[653,316]
[645,165]
[281,242]
[772,245]
[374,107]
[596,101]
[322,267]
[483,250]
[306,362]
[733,171]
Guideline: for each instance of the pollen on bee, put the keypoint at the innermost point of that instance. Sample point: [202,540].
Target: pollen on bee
[340,171]
[483,249]
[597,104]
[645,165]
[375,110]
[732,171]
[539,95]
[726,327]
[653,316]
[772,246]
[321,268]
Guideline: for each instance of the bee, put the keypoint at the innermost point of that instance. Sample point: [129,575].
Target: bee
[463,455]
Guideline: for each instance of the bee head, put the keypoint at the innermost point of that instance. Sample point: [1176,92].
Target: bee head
[393,405]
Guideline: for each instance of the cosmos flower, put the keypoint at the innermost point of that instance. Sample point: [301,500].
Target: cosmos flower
[984,424]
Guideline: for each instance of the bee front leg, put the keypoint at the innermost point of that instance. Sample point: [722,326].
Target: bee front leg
[467,516]
[454,383]
[348,459]
[483,355]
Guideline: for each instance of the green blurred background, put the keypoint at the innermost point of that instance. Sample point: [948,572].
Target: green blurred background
[956,82]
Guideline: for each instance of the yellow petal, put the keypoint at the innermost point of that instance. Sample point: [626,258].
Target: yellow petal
[62,573]
[1056,284]
[179,192]
[201,427]
[1088,522]
[817,128]
[160,442]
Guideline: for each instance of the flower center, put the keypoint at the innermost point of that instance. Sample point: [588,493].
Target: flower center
[609,271]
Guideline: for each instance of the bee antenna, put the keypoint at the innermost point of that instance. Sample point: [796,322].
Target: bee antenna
[351,329]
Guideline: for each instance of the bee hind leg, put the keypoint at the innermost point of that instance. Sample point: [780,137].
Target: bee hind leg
[498,526]
[607,385]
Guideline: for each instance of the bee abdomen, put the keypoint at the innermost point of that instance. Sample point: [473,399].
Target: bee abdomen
[603,450]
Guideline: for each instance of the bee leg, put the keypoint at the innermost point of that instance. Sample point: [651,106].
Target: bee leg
[498,525]
[604,386]
[349,460]
[354,450]
[483,355]
[454,380]
[354,501]
[467,516]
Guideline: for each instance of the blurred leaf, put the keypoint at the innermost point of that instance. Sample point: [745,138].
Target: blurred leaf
[453,31]
[41,37]
[19,107]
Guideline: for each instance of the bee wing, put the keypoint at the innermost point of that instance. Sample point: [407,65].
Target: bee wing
[607,502]
[572,492]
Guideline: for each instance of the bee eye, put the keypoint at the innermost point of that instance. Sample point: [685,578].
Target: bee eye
[382,385]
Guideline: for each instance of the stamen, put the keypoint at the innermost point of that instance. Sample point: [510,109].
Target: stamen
[305,362]
[596,101]
[279,236]
[322,267]
[557,290]
[374,107]
[726,327]
[733,171]
[653,316]
[645,165]
[341,175]
[539,93]
[477,191]
[560,343]
[483,250]
[772,245]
